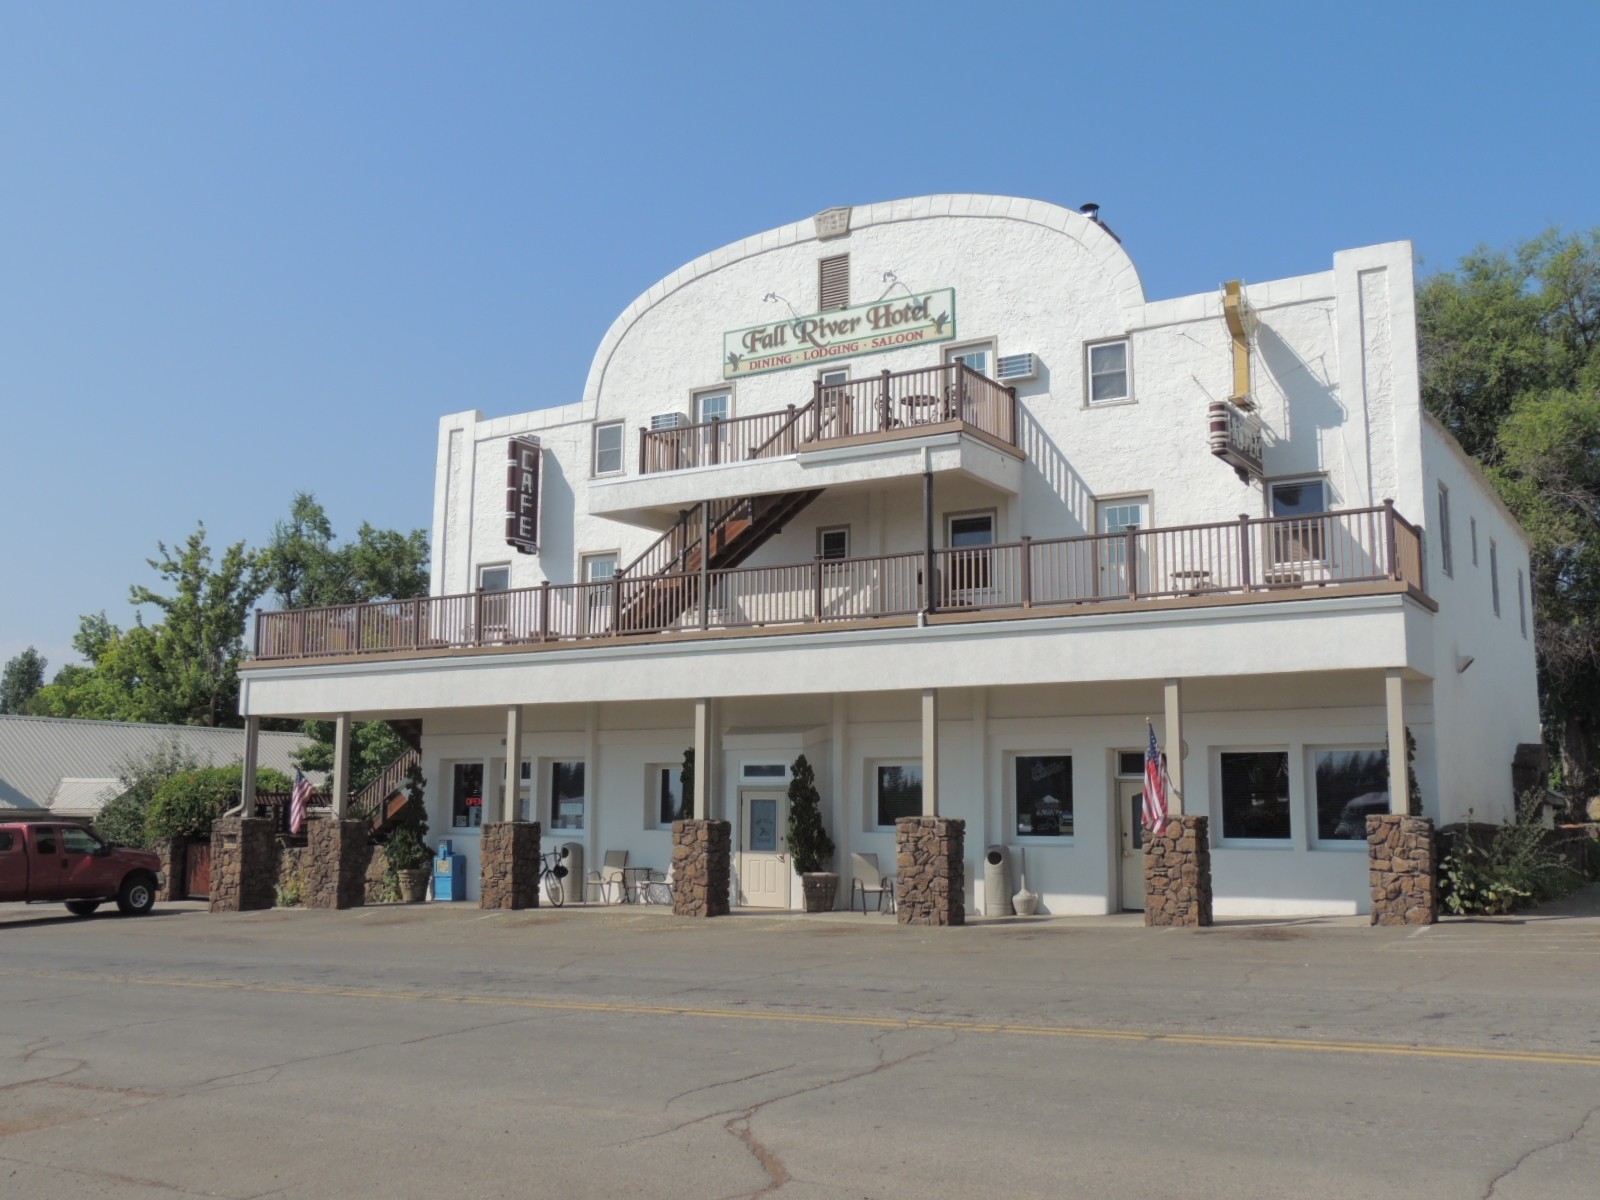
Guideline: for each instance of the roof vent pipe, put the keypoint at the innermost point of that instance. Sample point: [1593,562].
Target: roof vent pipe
[1092,211]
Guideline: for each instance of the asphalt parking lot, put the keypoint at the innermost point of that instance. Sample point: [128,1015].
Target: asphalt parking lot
[439,1050]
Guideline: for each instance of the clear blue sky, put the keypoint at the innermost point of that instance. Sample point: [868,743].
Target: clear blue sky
[252,248]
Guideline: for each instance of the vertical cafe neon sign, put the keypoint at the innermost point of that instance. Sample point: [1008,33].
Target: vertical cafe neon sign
[522,494]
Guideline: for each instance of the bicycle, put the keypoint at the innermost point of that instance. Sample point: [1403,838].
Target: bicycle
[551,873]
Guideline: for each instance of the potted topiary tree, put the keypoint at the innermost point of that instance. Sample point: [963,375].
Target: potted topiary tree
[408,850]
[810,847]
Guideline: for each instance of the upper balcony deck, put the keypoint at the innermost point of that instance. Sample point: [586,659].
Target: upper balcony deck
[878,408]
[1355,551]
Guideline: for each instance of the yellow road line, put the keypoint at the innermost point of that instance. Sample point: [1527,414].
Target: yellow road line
[1549,1057]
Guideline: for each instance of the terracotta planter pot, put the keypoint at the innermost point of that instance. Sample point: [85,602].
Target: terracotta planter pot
[821,887]
[413,885]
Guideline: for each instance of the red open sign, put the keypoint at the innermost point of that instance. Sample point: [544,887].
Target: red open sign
[474,801]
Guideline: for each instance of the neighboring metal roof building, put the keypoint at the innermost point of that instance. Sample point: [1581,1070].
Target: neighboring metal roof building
[61,764]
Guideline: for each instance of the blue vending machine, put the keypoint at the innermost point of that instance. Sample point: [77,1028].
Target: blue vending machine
[449,874]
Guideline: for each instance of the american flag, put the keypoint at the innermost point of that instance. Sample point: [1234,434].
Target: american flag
[301,797]
[1155,784]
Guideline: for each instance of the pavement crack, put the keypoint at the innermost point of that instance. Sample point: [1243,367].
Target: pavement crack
[777,1173]
[706,1087]
[112,1176]
[1494,1184]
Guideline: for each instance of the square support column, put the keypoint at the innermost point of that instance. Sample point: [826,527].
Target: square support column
[930,752]
[509,864]
[701,866]
[509,811]
[930,883]
[337,853]
[244,864]
[1177,872]
[1394,704]
[1173,696]
[341,767]
[247,776]
[1402,855]
[707,752]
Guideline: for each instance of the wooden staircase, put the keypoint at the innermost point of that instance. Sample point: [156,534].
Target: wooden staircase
[655,590]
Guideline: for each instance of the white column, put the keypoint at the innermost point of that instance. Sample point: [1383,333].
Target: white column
[994,829]
[341,766]
[247,782]
[1173,689]
[707,750]
[591,779]
[930,752]
[513,762]
[1394,700]
[839,777]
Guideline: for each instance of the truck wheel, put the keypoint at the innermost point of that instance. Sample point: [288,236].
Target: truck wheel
[82,908]
[138,895]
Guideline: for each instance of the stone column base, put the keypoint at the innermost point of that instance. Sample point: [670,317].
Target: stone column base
[701,868]
[1177,873]
[509,860]
[174,855]
[1402,854]
[930,886]
[244,864]
[337,853]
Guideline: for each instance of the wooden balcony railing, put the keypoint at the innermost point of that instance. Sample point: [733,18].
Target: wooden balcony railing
[878,405]
[1296,555]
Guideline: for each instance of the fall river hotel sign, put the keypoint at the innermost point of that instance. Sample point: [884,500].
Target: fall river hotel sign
[842,333]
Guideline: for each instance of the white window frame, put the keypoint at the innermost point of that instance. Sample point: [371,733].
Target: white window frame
[622,445]
[873,767]
[1446,559]
[485,568]
[822,533]
[547,768]
[652,789]
[954,354]
[700,395]
[1293,840]
[1318,842]
[1089,348]
[781,779]
[1010,759]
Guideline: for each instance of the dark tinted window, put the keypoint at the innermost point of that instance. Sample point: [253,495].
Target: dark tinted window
[1044,795]
[44,841]
[8,840]
[899,792]
[1255,795]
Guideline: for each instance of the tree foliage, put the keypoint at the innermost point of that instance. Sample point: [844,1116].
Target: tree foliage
[373,746]
[187,804]
[1510,350]
[24,676]
[181,665]
[142,776]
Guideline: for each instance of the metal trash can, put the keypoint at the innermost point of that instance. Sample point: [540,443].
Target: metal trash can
[572,859]
[997,882]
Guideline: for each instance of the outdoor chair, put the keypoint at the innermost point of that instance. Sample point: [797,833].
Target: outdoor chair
[657,888]
[868,880]
[609,880]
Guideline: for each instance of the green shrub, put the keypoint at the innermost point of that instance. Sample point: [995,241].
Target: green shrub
[187,804]
[408,847]
[1516,866]
[122,820]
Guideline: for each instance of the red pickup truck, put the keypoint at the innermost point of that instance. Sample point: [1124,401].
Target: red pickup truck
[42,861]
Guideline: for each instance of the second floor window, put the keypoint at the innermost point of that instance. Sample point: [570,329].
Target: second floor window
[834,542]
[1109,378]
[608,448]
[1444,530]
[976,357]
[494,579]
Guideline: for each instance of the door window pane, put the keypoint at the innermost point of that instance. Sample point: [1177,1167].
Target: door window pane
[466,810]
[763,824]
[977,358]
[1298,539]
[833,543]
[1351,786]
[1255,795]
[77,841]
[711,406]
[899,792]
[44,842]
[566,795]
[1044,795]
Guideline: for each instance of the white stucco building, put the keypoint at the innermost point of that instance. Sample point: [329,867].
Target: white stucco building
[978,508]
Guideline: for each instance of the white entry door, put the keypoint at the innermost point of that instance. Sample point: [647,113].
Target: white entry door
[1118,576]
[763,866]
[1130,841]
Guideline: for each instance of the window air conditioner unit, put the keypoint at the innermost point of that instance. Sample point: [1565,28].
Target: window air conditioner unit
[675,420]
[1017,366]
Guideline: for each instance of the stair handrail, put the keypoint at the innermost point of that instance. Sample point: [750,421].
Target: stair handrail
[371,798]
[809,406]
